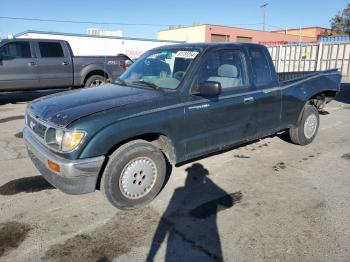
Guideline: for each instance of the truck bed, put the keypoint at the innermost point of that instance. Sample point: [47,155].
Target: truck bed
[291,77]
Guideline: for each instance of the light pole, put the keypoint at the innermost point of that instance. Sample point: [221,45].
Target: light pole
[263,7]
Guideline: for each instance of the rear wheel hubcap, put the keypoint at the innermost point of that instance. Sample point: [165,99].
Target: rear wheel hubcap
[138,178]
[310,126]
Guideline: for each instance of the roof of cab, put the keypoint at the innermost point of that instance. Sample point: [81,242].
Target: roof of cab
[31,40]
[207,45]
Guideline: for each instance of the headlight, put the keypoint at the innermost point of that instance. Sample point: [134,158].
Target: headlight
[71,139]
[64,140]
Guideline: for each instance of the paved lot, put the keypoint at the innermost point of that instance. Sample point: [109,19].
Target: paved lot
[266,201]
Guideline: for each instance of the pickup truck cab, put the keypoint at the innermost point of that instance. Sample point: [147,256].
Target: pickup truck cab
[44,64]
[173,104]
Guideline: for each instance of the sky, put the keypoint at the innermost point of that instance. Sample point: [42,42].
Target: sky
[280,14]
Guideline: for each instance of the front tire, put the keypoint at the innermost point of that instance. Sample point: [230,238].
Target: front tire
[306,129]
[134,175]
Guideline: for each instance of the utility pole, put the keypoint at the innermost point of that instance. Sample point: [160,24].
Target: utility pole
[263,7]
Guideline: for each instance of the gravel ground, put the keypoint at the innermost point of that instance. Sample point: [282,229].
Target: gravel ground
[266,201]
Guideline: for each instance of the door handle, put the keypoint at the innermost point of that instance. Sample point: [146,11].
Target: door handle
[65,63]
[248,100]
[32,64]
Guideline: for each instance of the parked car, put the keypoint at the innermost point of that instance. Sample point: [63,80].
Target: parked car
[173,104]
[43,64]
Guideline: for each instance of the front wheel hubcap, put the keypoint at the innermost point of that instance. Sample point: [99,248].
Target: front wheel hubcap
[310,126]
[138,178]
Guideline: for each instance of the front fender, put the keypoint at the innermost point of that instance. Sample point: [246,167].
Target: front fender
[168,124]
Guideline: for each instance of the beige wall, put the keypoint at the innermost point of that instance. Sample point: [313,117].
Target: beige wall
[214,33]
[189,34]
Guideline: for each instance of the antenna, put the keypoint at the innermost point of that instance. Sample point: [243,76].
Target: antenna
[263,7]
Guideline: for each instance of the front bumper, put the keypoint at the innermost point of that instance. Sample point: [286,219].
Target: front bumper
[75,176]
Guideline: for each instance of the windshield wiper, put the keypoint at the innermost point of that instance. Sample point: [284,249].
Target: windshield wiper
[120,82]
[143,82]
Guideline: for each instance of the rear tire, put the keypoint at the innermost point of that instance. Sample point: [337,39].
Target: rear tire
[95,80]
[134,175]
[306,129]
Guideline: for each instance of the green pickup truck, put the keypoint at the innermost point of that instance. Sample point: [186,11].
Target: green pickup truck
[174,104]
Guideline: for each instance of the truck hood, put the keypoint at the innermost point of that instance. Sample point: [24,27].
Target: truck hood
[63,108]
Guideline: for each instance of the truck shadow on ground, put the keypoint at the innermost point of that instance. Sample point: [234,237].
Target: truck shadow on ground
[25,96]
[25,185]
[186,223]
[188,228]
[344,94]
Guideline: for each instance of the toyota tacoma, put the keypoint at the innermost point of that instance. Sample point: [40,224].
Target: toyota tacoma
[174,104]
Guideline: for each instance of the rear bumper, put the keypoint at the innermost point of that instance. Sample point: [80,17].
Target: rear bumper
[75,176]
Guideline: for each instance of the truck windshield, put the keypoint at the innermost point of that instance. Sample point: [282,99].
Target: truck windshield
[160,68]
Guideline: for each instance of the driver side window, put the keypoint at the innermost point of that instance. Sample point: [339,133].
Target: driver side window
[225,67]
[16,50]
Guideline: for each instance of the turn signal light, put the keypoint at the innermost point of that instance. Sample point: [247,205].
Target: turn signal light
[53,166]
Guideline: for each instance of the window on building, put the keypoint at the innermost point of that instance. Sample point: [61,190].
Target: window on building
[244,39]
[220,38]
[226,67]
[50,49]
[16,50]
[261,68]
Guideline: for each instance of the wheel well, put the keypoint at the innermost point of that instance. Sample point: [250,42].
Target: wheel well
[158,140]
[96,72]
[321,99]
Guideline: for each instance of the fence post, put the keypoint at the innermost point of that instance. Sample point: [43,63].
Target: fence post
[279,58]
[319,55]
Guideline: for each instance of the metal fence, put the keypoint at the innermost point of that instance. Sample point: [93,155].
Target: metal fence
[312,57]
[340,38]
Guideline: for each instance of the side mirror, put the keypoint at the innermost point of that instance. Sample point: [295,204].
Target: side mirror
[209,88]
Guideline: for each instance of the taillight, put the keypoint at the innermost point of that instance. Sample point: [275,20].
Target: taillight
[122,64]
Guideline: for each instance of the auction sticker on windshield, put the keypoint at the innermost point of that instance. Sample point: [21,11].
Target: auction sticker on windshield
[186,54]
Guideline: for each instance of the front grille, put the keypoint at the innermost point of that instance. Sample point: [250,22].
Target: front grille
[36,126]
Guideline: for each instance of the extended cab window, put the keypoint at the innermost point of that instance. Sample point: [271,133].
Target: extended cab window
[50,49]
[16,50]
[261,68]
[226,67]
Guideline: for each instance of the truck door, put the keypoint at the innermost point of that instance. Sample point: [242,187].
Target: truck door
[18,66]
[217,122]
[268,98]
[55,65]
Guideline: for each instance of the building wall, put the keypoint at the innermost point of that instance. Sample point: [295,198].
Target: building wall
[216,33]
[307,31]
[255,36]
[188,34]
